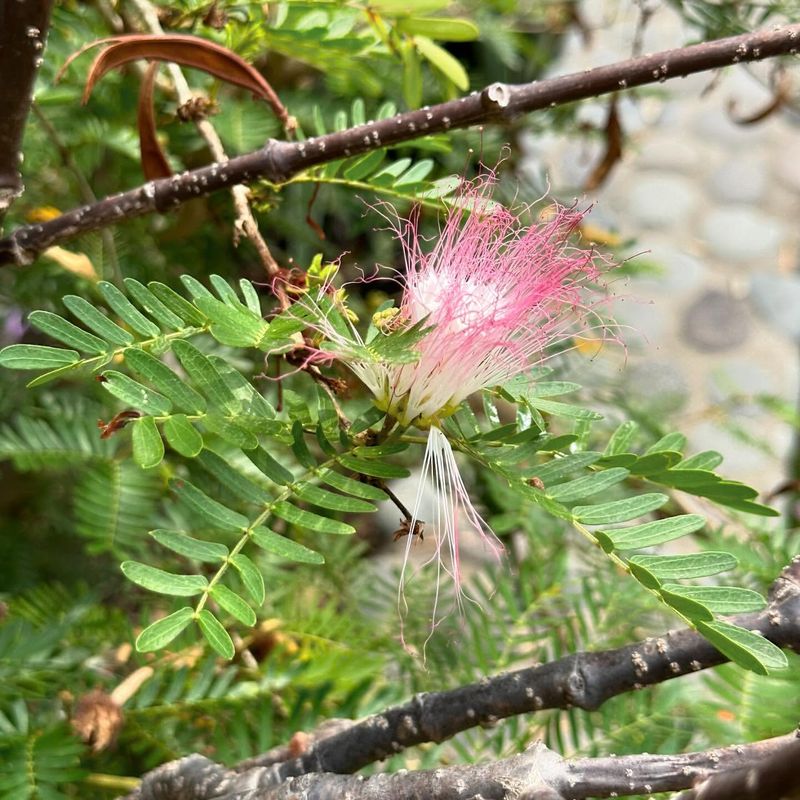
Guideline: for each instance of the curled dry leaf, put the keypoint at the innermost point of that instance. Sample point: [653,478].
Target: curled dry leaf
[782,94]
[613,152]
[188,51]
[154,160]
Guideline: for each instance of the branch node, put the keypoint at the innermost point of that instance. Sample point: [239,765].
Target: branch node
[496,95]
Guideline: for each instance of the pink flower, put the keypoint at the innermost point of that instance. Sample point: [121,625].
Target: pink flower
[496,294]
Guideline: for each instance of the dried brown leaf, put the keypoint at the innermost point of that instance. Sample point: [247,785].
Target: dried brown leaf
[154,160]
[97,719]
[188,51]
[613,151]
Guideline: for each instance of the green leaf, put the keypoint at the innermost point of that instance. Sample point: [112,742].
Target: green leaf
[746,648]
[148,448]
[620,440]
[559,467]
[239,485]
[215,634]
[416,174]
[692,565]
[152,305]
[309,520]
[196,289]
[720,599]
[214,513]
[375,468]
[564,410]
[412,75]
[364,165]
[205,376]
[708,459]
[175,303]
[251,578]
[403,7]
[184,545]
[672,441]
[351,486]
[300,448]
[448,29]
[370,417]
[165,380]
[160,633]
[71,335]
[234,605]
[656,532]
[270,467]
[126,311]
[250,296]
[619,510]
[224,290]
[447,64]
[97,321]
[252,403]
[156,580]
[654,464]
[285,548]
[231,431]
[389,174]
[135,394]
[335,502]
[587,485]
[235,326]
[182,436]
[36,356]
[689,607]
[551,388]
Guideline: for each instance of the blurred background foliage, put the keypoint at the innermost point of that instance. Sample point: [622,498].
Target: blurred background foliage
[72,505]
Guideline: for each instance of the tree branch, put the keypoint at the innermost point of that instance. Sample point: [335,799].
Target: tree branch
[23,31]
[278,161]
[585,680]
[536,774]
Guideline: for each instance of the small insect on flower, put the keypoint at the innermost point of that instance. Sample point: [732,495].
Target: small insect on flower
[487,300]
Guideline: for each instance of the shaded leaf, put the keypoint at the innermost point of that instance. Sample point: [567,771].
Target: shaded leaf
[157,580]
[160,633]
[36,356]
[215,634]
[234,605]
[185,545]
[148,448]
[285,548]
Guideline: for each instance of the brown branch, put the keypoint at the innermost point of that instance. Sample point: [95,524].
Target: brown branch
[278,161]
[23,32]
[585,680]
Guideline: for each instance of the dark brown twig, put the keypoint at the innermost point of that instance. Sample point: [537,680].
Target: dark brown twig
[279,161]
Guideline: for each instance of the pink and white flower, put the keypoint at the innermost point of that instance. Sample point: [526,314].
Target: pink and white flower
[497,294]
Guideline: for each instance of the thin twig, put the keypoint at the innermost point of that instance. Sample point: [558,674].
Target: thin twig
[245,223]
[278,161]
